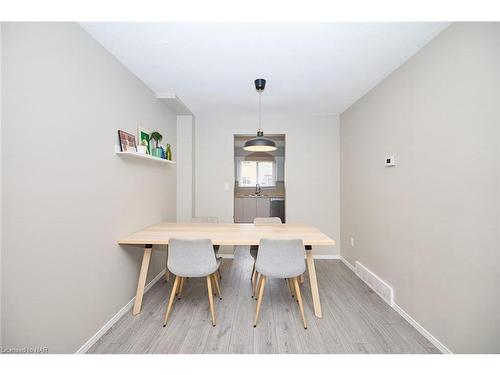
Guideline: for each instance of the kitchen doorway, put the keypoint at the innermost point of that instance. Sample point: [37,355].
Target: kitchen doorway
[259,180]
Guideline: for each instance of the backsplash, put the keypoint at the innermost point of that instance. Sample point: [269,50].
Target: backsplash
[275,191]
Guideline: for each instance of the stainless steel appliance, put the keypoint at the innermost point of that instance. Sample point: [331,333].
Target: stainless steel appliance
[278,208]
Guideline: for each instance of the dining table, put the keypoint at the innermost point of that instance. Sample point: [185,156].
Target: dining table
[226,234]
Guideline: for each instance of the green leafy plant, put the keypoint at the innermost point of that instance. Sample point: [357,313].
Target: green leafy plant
[157,137]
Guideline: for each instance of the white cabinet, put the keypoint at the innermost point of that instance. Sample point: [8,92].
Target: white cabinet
[239,209]
[263,207]
[248,208]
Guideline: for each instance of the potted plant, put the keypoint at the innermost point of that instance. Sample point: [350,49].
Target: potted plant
[157,137]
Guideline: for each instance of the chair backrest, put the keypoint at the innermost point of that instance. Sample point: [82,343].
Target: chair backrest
[281,258]
[205,219]
[191,258]
[267,221]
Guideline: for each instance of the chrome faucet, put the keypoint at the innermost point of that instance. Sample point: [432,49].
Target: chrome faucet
[257,189]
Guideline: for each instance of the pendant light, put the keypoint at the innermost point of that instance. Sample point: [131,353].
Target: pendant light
[259,143]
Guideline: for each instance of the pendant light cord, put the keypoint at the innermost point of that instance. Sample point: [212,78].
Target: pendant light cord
[260,110]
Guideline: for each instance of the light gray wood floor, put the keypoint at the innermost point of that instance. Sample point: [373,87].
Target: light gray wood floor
[355,319]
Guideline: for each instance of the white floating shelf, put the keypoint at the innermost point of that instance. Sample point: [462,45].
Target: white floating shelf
[144,156]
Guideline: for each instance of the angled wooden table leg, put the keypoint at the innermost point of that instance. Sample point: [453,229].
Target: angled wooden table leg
[313,282]
[142,279]
[167,272]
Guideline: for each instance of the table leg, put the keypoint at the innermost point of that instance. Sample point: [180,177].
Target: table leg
[142,279]
[167,272]
[313,282]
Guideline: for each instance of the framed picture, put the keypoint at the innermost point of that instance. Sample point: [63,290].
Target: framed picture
[127,141]
[144,136]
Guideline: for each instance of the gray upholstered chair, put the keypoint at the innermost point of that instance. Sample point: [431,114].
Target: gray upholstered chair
[208,220]
[192,258]
[199,219]
[282,259]
[254,248]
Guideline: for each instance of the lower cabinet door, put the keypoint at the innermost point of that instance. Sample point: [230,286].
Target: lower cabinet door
[245,210]
[238,210]
[249,209]
[263,207]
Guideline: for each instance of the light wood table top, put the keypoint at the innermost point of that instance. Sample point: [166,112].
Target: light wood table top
[227,234]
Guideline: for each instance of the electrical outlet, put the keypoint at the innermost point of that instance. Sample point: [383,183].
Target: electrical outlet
[352,241]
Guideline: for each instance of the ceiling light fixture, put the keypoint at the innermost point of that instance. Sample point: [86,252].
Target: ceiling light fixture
[259,143]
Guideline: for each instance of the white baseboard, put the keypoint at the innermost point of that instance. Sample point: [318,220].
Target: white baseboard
[438,344]
[316,256]
[326,256]
[349,265]
[117,317]
[376,283]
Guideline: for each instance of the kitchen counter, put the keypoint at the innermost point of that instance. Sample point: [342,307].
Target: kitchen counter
[260,196]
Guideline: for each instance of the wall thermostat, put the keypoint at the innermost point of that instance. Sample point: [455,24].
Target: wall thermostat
[390,161]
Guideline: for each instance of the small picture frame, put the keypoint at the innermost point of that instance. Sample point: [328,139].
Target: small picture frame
[144,135]
[127,141]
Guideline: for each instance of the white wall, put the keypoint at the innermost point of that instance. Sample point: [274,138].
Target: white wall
[67,197]
[1,25]
[430,226]
[184,159]
[312,167]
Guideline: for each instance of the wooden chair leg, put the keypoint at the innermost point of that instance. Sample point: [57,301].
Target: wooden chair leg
[299,298]
[167,275]
[302,279]
[181,288]
[219,274]
[217,286]
[171,300]
[290,285]
[253,273]
[262,284]
[255,285]
[211,299]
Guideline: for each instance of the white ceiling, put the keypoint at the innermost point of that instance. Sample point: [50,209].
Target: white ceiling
[309,68]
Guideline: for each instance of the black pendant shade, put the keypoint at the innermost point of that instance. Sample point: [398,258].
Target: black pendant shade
[259,143]
[260,84]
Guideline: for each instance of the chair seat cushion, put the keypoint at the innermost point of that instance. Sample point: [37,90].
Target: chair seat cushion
[280,258]
[192,272]
[191,258]
[280,270]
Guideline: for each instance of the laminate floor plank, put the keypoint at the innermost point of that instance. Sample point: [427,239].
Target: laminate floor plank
[219,338]
[355,319]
